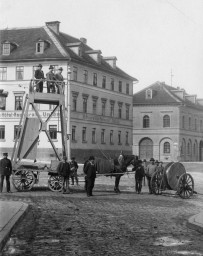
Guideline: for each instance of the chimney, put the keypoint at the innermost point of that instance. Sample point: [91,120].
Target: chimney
[111,61]
[54,26]
[83,40]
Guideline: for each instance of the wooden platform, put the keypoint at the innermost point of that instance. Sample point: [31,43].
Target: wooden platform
[46,98]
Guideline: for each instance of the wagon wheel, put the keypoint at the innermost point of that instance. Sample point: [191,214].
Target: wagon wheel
[185,186]
[55,183]
[23,179]
[157,182]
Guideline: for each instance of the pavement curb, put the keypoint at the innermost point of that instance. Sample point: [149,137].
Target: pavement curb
[196,222]
[6,231]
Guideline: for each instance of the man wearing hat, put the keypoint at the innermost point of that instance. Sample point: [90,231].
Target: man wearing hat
[39,76]
[5,171]
[73,170]
[63,169]
[60,85]
[50,80]
[90,171]
[139,174]
[151,169]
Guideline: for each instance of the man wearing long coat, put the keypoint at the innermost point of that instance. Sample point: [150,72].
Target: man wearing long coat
[5,171]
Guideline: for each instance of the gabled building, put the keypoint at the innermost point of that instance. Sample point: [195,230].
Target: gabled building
[101,93]
[167,124]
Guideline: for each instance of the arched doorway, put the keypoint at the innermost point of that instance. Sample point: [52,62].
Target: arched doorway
[146,148]
[201,151]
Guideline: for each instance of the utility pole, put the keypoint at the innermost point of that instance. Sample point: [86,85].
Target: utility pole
[171,77]
[67,110]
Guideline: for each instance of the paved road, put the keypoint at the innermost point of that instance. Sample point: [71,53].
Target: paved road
[105,224]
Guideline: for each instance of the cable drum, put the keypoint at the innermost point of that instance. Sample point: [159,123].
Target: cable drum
[172,173]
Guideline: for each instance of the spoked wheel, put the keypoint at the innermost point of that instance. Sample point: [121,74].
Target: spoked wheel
[23,179]
[55,183]
[157,183]
[185,186]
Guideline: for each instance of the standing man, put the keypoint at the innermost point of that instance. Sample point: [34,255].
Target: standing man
[63,170]
[90,171]
[60,85]
[151,168]
[5,171]
[139,174]
[39,75]
[50,80]
[73,170]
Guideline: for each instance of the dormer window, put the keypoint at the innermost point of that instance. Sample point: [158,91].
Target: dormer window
[6,49]
[40,47]
[149,94]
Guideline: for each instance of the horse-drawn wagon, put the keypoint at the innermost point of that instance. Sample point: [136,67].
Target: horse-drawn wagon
[173,177]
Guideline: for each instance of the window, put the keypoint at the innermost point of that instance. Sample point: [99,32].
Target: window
[2,102]
[149,94]
[183,122]
[73,133]
[18,102]
[19,72]
[120,86]
[112,84]
[189,123]
[167,148]
[16,131]
[146,122]
[40,47]
[75,73]
[127,138]
[6,48]
[74,103]
[195,124]
[53,132]
[119,110]
[84,104]
[127,89]
[2,132]
[127,112]
[103,136]
[103,107]
[95,79]
[104,82]
[111,137]
[85,76]
[84,134]
[94,105]
[112,109]
[189,148]
[93,135]
[166,121]
[3,73]
[119,137]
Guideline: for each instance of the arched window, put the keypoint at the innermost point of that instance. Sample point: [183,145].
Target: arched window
[166,121]
[189,148]
[167,148]
[146,121]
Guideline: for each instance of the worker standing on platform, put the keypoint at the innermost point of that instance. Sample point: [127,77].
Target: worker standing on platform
[39,75]
[60,85]
[5,171]
[63,169]
[50,80]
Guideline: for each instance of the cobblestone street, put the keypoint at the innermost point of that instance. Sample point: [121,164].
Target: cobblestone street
[105,224]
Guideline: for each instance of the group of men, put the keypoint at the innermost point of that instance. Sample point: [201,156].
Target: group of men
[55,82]
[142,169]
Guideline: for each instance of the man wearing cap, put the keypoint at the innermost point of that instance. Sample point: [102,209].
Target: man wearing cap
[63,169]
[139,174]
[5,171]
[90,171]
[60,85]
[151,168]
[50,80]
[73,170]
[39,75]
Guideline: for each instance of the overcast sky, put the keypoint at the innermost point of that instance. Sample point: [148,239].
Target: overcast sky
[148,37]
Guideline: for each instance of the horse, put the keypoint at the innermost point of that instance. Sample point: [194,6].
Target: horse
[111,167]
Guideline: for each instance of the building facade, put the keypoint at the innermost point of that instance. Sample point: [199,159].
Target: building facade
[101,93]
[167,124]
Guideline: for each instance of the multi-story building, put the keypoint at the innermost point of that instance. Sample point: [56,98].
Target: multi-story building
[101,93]
[167,124]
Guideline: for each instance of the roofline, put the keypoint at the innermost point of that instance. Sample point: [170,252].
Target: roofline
[18,28]
[39,59]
